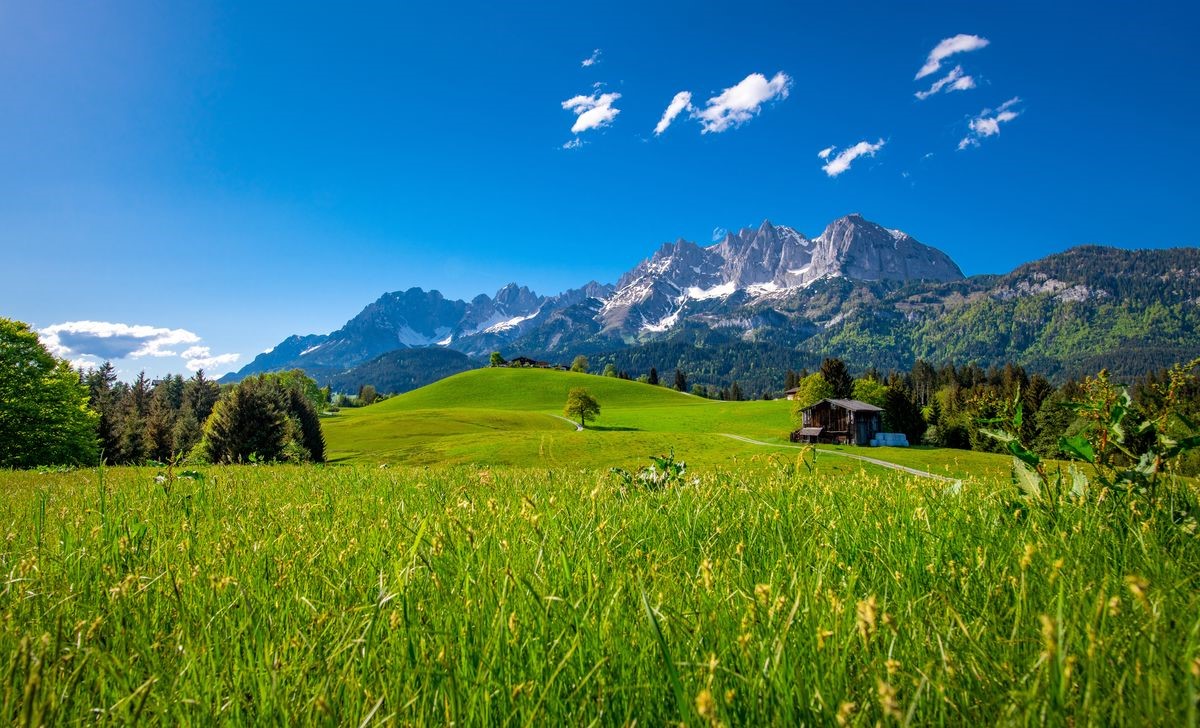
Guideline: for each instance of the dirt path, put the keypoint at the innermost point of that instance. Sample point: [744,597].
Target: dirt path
[578,427]
[864,458]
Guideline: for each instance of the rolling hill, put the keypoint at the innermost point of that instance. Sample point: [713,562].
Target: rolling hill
[514,417]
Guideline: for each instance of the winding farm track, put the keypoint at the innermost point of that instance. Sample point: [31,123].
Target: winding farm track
[864,458]
[578,427]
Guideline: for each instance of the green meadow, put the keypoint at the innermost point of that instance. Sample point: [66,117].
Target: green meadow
[469,558]
[513,417]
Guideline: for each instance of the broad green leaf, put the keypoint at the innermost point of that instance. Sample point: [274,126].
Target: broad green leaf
[1078,447]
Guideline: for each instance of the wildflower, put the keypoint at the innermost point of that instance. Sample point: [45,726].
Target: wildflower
[706,574]
[1049,636]
[865,613]
[706,706]
[762,593]
[822,635]
[1027,557]
[845,711]
[731,694]
[1137,587]
[887,700]
[893,666]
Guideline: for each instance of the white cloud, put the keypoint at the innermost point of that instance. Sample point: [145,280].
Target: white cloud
[842,161]
[960,43]
[573,143]
[200,357]
[593,111]
[592,59]
[86,343]
[987,122]
[681,101]
[113,341]
[953,81]
[738,104]
[824,153]
[718,233]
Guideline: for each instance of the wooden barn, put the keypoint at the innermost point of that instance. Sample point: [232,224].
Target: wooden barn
[840,422]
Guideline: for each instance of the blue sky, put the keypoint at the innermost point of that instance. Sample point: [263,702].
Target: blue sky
[211,177]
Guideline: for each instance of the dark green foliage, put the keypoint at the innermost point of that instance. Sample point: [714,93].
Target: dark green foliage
[307,424]
[399,371]
[367,394]
[265,418]
[680,381]
[901,414]
[653,377]
[834,371]
[251,420]
[44,417]
[495,360]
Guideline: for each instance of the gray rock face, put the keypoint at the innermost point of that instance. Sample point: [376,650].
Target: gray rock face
[852,247]
[761,261]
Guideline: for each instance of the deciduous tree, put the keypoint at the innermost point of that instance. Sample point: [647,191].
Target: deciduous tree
[581,405]
[44,413]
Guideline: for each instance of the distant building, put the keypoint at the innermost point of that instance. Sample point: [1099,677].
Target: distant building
[524,361]
[840,422]
[791,393]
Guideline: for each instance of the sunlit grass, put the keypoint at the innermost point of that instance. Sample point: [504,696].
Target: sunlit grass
[474,595]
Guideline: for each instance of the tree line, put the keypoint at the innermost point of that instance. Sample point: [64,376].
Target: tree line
[53,414]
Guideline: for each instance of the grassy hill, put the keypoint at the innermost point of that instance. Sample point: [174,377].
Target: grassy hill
[514,417]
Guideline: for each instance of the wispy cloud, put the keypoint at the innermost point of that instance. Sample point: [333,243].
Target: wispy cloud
[681,101]
[961,43]
[592,59]
[738,104]
[987,122]
[956,80]
[573,143]
[592,112]
[718,233]
[200,357]
[841,162]
[88,342]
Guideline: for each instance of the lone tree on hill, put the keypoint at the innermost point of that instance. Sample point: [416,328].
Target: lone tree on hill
[495,360]
[580,364]
[653,378]
[680,380]
[581,405]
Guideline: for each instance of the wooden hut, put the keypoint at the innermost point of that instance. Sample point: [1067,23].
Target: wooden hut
[840,422]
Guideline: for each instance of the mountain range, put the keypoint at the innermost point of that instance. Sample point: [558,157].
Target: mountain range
[774,297]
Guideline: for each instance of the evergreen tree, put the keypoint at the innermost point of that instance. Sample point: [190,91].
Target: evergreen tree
[901,414]
[833,371]
[735,392]
[105,400]
[653,379]
[252,419]
[680,381]
[133,421]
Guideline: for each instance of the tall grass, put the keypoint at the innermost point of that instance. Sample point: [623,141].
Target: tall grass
[285,595]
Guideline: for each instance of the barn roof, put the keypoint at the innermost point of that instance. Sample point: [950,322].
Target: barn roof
[850,404]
